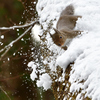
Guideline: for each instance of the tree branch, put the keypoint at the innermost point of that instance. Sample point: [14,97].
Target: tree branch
[8,47]
[5,93]
[19,26]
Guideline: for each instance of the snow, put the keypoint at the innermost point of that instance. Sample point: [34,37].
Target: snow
[33,66]
[44,81]
[2,36]
[84,50]
[35,32]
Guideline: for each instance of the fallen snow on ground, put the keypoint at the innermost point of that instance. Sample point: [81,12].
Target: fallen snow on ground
[84,50]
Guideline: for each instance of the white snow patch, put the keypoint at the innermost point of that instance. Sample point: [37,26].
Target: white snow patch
[36,30]
[33,75]
[44,81]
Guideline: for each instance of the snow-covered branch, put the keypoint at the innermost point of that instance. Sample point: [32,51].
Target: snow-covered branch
[8,47]
[19,26]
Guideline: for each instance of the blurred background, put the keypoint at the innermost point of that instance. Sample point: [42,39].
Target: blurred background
[14,74]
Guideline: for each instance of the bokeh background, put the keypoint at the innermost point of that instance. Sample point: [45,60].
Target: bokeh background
[14,73]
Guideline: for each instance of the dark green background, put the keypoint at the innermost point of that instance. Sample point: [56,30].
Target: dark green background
[14,76]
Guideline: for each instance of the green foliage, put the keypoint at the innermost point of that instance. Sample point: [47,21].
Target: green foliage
[10,12]
[17,5]
[3,11]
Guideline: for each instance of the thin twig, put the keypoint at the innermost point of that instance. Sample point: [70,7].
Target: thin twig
[8,47]
[12,78]
[19,26]
[5,93]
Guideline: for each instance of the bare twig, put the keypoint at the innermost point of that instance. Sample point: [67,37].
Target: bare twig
[8,47]
[5,93]
[19,26]
[12,78]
